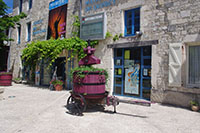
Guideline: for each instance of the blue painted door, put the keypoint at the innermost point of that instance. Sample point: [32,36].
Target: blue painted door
[132,72]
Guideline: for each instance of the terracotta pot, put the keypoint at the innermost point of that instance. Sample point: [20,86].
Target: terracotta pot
[58,87]
[195,108]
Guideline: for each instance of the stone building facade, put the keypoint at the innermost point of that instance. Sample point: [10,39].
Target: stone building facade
[37,17]
[158,39]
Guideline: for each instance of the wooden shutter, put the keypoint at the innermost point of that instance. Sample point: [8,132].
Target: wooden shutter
[175,61]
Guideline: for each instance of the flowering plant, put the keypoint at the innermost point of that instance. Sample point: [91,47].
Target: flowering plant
[3,73]
[194,103]
[56,82]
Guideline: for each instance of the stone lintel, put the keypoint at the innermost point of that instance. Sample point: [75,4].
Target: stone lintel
[133,44]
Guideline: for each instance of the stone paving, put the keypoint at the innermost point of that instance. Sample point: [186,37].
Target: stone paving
[30,109]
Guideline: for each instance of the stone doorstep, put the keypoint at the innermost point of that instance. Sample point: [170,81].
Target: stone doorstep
[134,101]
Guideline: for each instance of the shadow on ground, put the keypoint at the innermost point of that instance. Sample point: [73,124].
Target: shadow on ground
[98,108]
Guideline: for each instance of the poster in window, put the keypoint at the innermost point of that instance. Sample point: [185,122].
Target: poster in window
[127,55]
[57,22]
[128,63]
[132,79]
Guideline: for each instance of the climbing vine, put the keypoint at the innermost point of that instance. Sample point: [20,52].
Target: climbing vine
[50,50]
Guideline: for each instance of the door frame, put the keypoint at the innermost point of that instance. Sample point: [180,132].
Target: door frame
[141,77]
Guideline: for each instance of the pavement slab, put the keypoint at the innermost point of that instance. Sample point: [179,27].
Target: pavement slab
[31,109]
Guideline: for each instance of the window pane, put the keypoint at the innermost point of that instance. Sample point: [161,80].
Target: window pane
[118,80]
[137,13]
[129,22]
[136,53]
[146,94]
[118,52]
[147,51]
[137,21]
[118,71]
[147,62]
[118,62]
[30,4]
[194,64]
[147,72]
[137,28]
[19,35]
[20,6]
[117,90]
[146,83]
[129,15]
[29,32]
[129,30]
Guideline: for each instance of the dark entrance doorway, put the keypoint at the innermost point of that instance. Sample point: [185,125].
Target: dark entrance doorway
[4,57]
[60,64]
[132,72]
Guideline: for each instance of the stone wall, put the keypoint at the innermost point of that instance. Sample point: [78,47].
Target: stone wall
[175,22]
[39,10]
[168,22]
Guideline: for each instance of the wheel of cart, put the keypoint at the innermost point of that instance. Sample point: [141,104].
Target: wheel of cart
[76,103]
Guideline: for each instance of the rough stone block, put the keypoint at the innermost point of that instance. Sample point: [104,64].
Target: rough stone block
[185,13]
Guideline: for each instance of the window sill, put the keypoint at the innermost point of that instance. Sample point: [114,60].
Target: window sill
[129,35]
[185,90]
[193,86]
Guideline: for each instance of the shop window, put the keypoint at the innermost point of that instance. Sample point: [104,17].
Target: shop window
[28,31]
[19,35]
[132,72]
[20,6]
[194,66]
[132,21]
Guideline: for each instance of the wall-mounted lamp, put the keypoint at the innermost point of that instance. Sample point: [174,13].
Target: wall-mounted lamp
[139,33]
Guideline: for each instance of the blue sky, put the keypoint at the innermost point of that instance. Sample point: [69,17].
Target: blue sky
[9,3]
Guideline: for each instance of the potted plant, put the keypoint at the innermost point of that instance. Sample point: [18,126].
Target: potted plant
[58,84]
[5,78]
[194,105]
[17,80]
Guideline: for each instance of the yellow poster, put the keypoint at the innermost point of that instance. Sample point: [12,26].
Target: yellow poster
[127,54]
[119,71]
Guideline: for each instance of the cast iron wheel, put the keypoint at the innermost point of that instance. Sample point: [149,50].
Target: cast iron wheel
[76,105]
[82,105]
[70,102]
